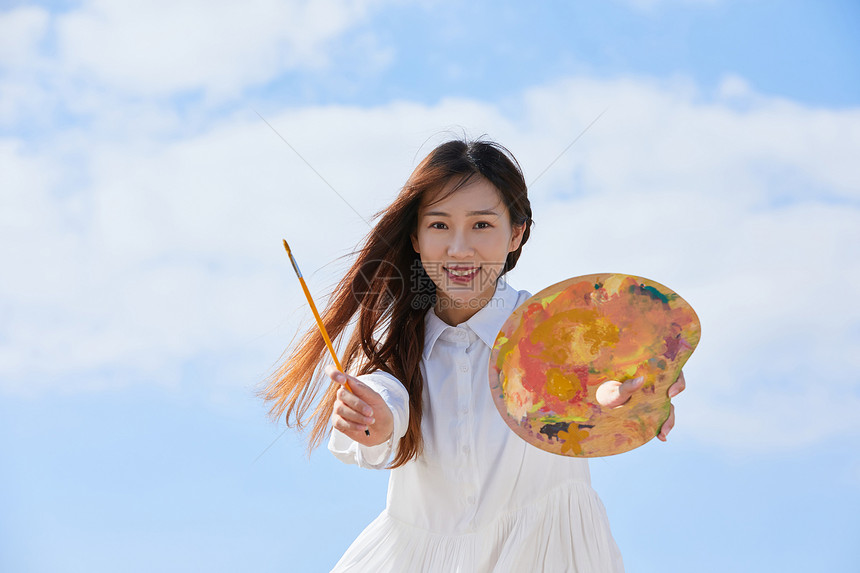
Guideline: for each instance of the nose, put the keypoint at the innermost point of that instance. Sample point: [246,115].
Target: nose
[460,247]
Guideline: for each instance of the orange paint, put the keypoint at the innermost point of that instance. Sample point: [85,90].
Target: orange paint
[559,346]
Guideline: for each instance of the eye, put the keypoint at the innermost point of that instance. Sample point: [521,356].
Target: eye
[438,225]
[483,225]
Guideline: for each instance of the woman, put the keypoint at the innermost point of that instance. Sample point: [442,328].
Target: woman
[465,493]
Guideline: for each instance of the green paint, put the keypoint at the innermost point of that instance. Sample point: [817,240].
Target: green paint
[548,299]
[652,292]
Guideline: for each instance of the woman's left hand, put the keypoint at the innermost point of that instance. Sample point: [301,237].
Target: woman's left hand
[613,394]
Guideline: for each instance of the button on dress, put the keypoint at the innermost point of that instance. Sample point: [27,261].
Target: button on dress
[478,498]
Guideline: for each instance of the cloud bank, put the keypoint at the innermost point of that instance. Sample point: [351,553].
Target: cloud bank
[144,237]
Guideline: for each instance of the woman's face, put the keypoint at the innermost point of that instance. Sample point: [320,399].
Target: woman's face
[463,241]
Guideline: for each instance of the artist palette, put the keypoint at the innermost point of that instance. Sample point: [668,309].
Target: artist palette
[559,346]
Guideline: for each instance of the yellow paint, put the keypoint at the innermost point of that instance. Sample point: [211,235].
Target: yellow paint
[545,301]
[574,336]
[613,284]
[508,345]
[572,440]
[599,333]
[561,386]
[518,400]
[582,337]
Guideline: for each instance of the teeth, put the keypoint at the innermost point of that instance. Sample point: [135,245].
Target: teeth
[461,273]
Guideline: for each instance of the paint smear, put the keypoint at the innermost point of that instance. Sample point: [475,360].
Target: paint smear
[561,344]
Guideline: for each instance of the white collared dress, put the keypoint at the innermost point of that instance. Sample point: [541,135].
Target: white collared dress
[479,498]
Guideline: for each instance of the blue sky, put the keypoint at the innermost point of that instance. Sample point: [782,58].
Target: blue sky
[145,294]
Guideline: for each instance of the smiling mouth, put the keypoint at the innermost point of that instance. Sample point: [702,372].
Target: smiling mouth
[462,273]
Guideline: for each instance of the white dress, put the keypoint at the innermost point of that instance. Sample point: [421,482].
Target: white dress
[478,498]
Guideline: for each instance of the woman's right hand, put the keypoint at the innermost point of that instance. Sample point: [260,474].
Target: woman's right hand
[360,410]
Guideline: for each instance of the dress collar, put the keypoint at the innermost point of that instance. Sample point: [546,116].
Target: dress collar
[486,323]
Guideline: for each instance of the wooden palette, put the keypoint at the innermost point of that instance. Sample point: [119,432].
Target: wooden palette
[557,348]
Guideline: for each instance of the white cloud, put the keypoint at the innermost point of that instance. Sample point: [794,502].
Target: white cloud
[136,255]
[21,32]
[752,214]
[105,62]
[163,47]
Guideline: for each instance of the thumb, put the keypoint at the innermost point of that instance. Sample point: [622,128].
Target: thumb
[356,386]
[613,393]
[630,386]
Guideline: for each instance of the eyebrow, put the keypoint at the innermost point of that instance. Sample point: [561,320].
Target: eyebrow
[469,214]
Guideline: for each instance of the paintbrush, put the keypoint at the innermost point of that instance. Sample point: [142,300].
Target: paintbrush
[318,319]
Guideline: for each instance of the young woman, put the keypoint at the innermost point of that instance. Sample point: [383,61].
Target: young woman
[427,296]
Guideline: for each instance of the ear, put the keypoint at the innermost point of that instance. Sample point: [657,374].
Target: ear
[414,238]
[516,238]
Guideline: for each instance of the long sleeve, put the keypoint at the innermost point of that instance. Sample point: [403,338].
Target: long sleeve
[396,398]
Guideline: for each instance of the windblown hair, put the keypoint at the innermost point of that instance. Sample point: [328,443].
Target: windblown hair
[390,292]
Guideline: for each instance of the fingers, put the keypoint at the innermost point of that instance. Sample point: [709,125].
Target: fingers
[354,402]
[356,386]
[629,386]
[612,394]
[674,390]
[351,415]
[348,415]
[352,408]
[349,421]
[678,386]
[667,425]
[362,414]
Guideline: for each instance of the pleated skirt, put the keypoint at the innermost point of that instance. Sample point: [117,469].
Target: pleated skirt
[565,531]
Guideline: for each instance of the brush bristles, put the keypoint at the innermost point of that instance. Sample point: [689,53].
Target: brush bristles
[286,246]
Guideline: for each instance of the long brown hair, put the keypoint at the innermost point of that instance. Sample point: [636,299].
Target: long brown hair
[390,292]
